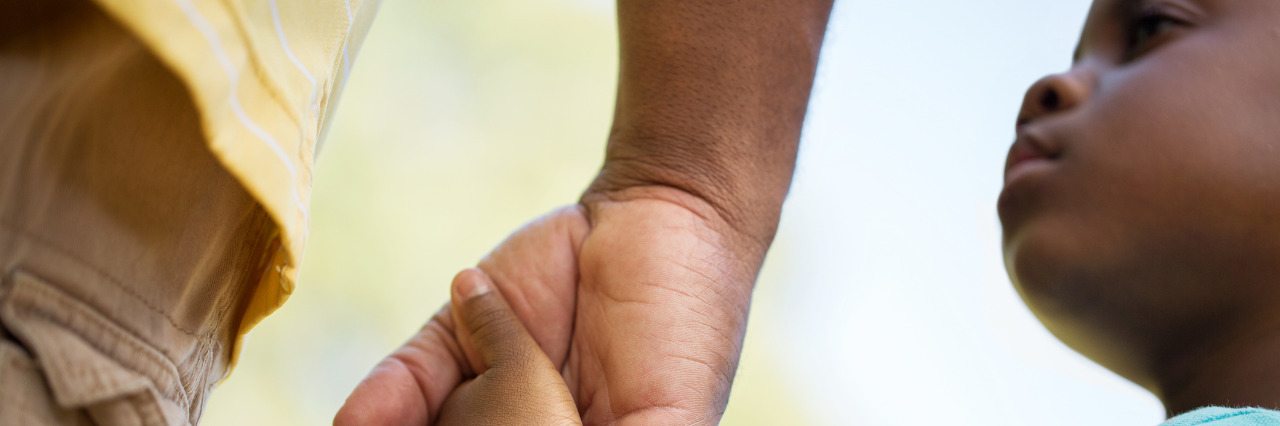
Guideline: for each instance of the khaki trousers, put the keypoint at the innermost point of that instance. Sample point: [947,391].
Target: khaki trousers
[127,252]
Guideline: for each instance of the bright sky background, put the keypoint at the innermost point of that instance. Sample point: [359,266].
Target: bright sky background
[896,308]
[883,302]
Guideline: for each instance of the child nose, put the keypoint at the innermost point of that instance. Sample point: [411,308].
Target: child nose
[1053,94]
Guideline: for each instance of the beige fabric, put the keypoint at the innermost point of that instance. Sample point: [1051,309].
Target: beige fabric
[128,254]
[265,76]
[27,399]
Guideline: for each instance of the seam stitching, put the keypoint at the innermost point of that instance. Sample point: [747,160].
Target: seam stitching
[125,336]
[100,272]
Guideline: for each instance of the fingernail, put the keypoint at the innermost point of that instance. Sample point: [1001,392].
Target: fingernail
[474,284]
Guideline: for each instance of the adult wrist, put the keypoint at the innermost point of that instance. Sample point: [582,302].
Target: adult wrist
[744,217]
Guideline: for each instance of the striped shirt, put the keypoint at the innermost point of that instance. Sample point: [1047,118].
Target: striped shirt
[265,76]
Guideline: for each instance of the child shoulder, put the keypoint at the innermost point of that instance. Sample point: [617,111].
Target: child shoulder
[1222,416]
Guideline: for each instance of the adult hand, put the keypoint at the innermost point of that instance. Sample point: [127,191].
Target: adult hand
[663,295]
[643,311]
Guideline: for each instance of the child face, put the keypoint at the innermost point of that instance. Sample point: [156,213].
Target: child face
[1141,208]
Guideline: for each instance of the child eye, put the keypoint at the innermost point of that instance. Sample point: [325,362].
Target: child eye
[1146,31]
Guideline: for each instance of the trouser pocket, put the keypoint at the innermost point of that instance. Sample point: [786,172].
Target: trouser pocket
[25,398]
[73,364]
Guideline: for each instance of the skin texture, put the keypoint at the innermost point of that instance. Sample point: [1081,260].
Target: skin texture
[511,366]
[639,295]
[656,326]
[1143,233]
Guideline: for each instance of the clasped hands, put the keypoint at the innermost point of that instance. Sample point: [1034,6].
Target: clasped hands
[629,308]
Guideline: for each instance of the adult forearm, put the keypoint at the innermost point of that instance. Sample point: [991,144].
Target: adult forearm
[711,98]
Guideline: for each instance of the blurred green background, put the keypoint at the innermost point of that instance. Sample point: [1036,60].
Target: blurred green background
[461,121]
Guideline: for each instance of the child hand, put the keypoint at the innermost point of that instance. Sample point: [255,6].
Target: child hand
[513,382]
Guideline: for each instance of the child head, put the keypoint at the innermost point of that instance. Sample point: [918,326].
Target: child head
[1141,208]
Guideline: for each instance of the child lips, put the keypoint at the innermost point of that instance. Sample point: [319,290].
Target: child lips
[1024,166]
[1025,155]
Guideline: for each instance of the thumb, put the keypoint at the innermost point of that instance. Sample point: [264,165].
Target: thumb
[515,382]
[409,387]
[487,329]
